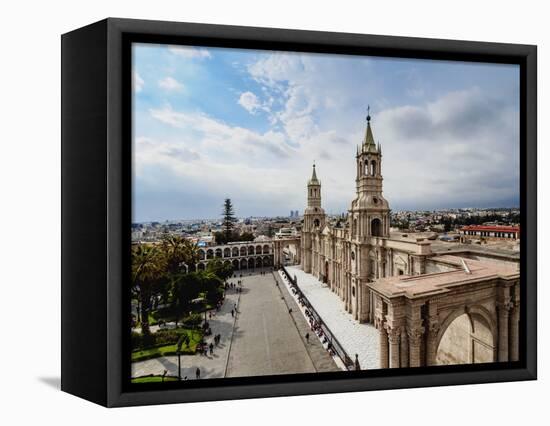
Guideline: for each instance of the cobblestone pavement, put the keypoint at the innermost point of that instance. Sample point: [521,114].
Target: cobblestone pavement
[266,340]
[211,366]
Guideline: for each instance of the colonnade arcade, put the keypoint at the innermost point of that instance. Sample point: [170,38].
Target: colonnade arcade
[241,255]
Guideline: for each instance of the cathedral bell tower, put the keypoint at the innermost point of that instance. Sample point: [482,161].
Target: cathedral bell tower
[314,219]
[369,210]
[369,218]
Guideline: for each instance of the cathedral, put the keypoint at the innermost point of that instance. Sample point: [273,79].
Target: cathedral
[347,257]
[431,304]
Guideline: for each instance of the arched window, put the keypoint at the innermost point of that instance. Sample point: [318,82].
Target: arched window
[316,222]
[373,168]
[376,228]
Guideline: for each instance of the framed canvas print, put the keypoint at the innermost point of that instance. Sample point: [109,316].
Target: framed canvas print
[252,212]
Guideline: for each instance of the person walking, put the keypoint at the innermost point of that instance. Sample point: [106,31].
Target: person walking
[232,313]
[198,373]
[307,337]
[211,348]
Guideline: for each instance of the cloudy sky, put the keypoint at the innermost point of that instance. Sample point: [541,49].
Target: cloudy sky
[222,123]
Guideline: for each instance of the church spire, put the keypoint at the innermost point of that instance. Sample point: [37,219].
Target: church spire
[314,179]
[368,141]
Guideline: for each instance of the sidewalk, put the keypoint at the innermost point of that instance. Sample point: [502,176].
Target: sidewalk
[211,366]
[355,337]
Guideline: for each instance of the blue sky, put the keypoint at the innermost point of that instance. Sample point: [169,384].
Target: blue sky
[212,123]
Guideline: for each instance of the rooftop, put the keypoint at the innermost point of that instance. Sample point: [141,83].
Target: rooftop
[416,286]
[497,228]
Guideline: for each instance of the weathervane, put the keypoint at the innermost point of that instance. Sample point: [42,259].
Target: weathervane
[368,113]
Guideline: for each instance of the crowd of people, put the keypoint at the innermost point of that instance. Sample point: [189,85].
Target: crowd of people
[314,324]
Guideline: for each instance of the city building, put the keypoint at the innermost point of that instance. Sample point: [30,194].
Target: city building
[242,255]
[430,307]
[489,232]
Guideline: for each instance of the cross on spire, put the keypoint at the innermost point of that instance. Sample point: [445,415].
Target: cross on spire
[314,175]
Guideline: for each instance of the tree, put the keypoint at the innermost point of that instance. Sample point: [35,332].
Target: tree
[148,265]
[220,268]
[179,252]
[186,287]
[246,236]
[228,218]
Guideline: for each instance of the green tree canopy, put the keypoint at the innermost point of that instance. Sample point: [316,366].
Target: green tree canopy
[228,218]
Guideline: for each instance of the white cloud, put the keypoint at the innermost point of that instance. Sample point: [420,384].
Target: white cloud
[170,84]
[190,52]
[138,82]
[249,101]
[214,134]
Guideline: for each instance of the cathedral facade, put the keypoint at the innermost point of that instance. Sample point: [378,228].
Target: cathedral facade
[346,256]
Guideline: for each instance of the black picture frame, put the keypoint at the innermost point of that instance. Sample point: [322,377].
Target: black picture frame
[96,209]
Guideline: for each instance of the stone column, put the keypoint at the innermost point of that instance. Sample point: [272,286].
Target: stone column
[415,335]
[514,334]
[394,337]
[503,325]
[383,347]
[404,348]
[432,332]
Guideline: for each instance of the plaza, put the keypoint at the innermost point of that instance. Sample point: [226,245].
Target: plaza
[262,338]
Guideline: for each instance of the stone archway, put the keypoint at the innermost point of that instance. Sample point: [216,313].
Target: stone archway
[236,264]
[467,336]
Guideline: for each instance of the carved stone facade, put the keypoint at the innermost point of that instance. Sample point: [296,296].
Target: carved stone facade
[430,308]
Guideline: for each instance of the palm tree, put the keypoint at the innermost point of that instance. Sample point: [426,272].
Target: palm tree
[179,252]
[148,267]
